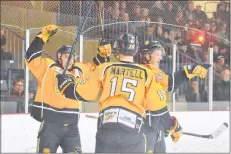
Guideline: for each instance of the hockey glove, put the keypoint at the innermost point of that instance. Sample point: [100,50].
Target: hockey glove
[176,130]
[196,70]
[104,48]
[64,81]
[47,32]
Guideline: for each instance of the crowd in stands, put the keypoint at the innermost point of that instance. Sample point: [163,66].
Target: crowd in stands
[215,30]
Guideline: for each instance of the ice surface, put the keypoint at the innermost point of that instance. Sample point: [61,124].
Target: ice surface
[19,133]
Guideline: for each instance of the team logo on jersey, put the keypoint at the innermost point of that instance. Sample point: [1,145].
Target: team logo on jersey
[46,150]
[162,94]
[159,76]
[84,80]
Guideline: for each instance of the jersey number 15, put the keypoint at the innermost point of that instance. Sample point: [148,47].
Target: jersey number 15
[124,87]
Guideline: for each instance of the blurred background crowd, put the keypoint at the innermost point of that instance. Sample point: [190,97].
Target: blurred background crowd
[183,23]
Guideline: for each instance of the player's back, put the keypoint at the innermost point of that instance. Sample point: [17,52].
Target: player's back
[124,85]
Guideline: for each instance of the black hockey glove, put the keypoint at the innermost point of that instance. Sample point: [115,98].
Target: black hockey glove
[64,81]
[196,70]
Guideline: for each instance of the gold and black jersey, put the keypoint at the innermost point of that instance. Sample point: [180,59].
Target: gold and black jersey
[49,104]
[156,104]
[121,84]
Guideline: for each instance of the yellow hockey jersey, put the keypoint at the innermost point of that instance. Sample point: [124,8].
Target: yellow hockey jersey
[49,103]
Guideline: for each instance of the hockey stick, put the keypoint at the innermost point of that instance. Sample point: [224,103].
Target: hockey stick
[213,135]
[80,29]
[91,116]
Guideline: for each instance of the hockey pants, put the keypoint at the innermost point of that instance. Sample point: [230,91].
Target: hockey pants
[119,141]
[53,135]
[155,137]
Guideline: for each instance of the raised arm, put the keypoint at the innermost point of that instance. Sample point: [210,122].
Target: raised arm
[33,59]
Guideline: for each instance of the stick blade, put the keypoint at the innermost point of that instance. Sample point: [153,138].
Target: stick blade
[219,131]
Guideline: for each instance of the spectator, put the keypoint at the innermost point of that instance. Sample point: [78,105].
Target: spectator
[123,5]
[194,93]
[18,91]
[190,9]
[222,34]
[215,52]
[179,17]
[185,58]
[205,57]
[4,54]
[145,15]
[159,31]
[108,13]
[194,52]
[189,20]
[125,16]
[200,15]
[116,15]
[156,10]
[18,87]
[116,5]
[169,12]
[219,63]
[135,15]
[148,34]
[213,31]
[213,27]
[221,90]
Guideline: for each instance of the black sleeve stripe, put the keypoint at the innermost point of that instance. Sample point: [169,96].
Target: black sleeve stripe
[35,49]
[78,68]
[53,65]
[33,56]
[77,96]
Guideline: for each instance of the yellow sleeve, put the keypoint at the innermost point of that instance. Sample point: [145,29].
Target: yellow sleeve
[90,87]
[33,60]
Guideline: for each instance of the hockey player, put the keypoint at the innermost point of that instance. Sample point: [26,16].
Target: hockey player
[155,127]
[58,115]
[124,86]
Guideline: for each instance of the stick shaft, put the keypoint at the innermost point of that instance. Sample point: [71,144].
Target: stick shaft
[80,29]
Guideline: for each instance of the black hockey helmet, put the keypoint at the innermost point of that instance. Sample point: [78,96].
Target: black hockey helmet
[127,44]
[64,49]
[150,46]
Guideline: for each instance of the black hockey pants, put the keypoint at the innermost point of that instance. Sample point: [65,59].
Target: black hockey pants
[119,141]
[155,136]
[53,135]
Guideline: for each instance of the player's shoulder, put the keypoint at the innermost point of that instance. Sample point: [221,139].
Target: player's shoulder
[105,65]
[49,61]
[154,68]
